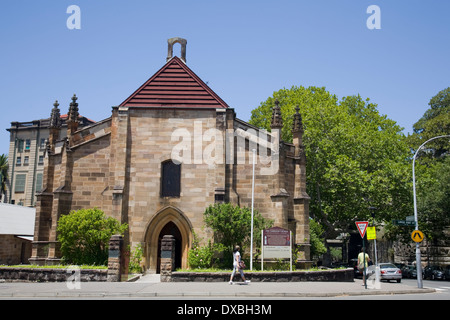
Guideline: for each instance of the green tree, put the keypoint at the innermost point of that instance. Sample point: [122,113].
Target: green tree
[433,167]
[84,236]
[433,199]
[232,224]
[3,175]
[356,157]
[316,232]
[435,122]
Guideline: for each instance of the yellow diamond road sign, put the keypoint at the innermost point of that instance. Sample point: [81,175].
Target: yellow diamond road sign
[371,233]
[417,236]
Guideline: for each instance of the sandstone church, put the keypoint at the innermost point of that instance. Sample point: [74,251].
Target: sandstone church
[168,151]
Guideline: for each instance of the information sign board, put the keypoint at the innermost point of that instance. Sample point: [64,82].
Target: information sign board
[276,243]
[276,237]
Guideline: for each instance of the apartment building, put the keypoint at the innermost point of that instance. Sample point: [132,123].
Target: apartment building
[27,146]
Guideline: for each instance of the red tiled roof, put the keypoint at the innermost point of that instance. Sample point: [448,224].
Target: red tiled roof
[175,85]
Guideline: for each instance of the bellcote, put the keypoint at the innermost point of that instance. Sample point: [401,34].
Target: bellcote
[171,42]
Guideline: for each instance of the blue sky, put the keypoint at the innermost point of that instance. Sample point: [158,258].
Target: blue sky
[244,49]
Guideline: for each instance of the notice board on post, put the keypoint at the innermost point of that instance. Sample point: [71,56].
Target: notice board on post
[276,243]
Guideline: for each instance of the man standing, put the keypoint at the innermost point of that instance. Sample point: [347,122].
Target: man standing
[363,262]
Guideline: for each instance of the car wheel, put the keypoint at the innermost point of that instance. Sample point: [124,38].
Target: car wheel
[399,280]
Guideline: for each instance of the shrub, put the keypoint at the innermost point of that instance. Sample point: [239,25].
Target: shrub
[84,236]
[202,257]
[136,259]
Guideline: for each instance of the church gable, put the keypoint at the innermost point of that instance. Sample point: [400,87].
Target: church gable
[175,85]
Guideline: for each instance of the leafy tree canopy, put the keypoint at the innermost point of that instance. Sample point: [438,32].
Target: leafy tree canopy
[433,199]
[356,157]
[433,166]
[316,238]
[231,224]
[435,122]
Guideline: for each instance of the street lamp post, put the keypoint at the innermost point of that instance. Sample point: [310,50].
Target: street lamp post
[418,256]
[372,213]
[253,204]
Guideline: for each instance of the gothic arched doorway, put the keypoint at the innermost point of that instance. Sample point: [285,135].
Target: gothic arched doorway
[167,221]
[170,229]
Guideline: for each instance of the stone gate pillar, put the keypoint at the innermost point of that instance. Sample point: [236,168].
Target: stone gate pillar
[167,257]
[116,259]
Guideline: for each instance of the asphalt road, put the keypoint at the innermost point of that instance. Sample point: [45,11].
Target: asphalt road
[442,292]
[442,288]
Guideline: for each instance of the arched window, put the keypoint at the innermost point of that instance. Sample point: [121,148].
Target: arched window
[170,179]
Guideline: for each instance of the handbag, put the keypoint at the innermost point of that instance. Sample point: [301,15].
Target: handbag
[241,264]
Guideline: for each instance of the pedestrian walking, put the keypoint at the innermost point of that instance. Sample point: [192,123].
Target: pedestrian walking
[363,263]
[238,264]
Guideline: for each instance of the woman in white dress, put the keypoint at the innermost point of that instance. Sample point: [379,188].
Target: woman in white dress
[237,266]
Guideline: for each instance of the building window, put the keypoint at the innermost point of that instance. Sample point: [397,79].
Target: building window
[19,145]
[18,161]
[27,145]
[26,161]
[219,196]
[42,144]
[41,160]
[170,179]
[39,182]
[20,183]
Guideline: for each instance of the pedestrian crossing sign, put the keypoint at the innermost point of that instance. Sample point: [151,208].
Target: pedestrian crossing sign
[417,236]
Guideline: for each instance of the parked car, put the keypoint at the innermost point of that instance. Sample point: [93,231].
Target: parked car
[409,272]
[447,273]
[433,272]
[399,265]
[388,271]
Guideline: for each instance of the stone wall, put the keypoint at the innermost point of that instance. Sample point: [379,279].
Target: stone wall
[14,250]
[344,275]
[15,274]
[435,252]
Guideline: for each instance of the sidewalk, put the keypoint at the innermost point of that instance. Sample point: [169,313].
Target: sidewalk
[149,287]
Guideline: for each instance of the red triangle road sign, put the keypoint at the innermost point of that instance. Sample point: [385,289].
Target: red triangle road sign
[362,227]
